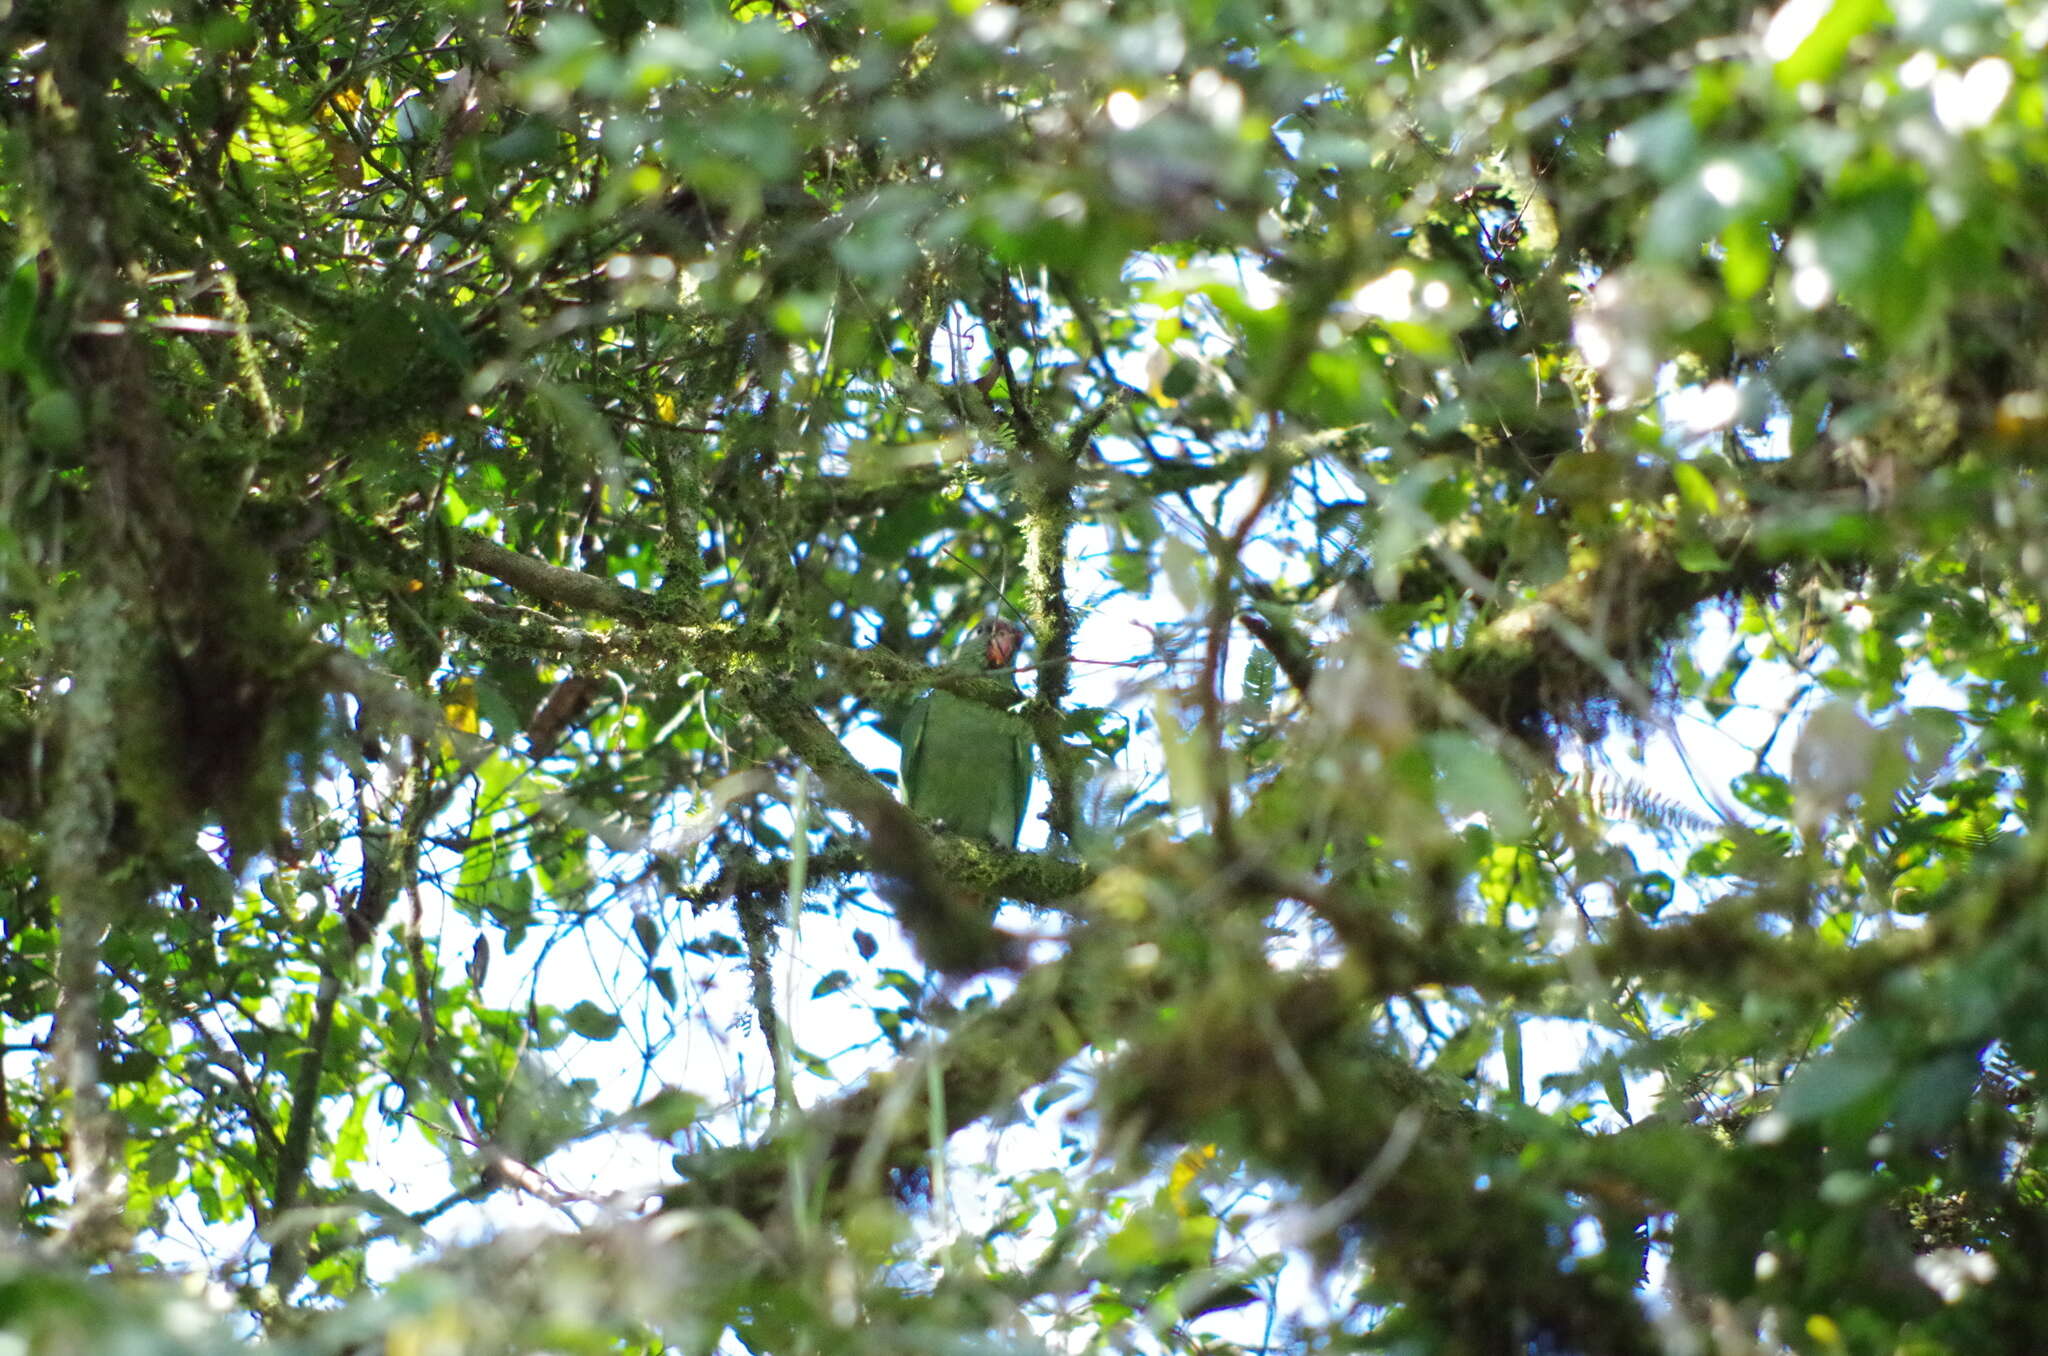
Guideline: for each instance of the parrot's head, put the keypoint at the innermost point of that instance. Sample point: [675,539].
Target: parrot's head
[993,643]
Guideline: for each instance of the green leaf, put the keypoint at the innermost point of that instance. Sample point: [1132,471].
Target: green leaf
[1809,39]
[1462,1053]
[20,339]
[668,1113]
[592,1022]
[1856,1067]
[1695,491]
[1472,779]
[716,944]
[1614,1082]
[1747,258]
[1259,672]
[647,933]
[161,1163]
[1697,557]
[351,1138]
[1764,792]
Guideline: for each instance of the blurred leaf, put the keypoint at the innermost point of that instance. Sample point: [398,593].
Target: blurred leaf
[592,1022]
[1809,39]
[668,1113]
[1765,793]
[1472,779]
[1859,1063]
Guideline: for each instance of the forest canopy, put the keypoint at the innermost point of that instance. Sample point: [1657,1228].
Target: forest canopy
[941,675]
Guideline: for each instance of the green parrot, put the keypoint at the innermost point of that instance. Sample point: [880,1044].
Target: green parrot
[966,764]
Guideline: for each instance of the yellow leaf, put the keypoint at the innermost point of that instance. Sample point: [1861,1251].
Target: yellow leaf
[1180,1183]
[442,1332]
[460,707]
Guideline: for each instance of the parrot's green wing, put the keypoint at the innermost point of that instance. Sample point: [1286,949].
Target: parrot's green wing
[1017,758]
[967,766]
[910,739]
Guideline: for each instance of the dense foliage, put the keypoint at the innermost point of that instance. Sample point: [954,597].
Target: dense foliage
[1526,520]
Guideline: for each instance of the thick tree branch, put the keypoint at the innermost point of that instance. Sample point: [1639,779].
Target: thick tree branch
[572,589]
